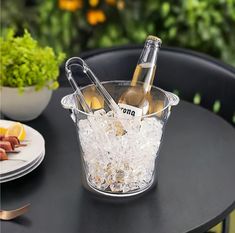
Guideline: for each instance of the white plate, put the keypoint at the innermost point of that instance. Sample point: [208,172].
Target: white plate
[22,170]
[30,153]
[28,170]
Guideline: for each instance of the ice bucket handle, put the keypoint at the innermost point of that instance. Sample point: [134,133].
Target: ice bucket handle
[173,98]
[68,103]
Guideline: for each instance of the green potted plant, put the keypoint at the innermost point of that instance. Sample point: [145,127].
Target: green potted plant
[28,74]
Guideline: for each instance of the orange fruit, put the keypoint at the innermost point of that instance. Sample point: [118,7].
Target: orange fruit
[3,130]
[16,129]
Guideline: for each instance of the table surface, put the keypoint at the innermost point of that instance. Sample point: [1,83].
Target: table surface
[195,187]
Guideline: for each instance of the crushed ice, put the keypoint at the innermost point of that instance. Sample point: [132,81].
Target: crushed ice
[119,163]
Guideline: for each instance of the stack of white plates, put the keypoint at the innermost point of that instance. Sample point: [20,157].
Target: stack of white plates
[29,157]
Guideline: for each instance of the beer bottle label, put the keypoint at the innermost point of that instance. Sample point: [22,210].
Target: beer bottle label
[130,110]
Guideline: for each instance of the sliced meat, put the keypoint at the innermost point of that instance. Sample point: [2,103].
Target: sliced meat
[13,140]
[6,146]
[3,154]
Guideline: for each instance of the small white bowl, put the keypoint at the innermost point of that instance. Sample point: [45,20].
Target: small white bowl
[26,106]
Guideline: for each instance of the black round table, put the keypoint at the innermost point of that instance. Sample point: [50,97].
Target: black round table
[195,188]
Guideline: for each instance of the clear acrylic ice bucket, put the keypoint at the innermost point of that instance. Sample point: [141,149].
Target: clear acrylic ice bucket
[115,164]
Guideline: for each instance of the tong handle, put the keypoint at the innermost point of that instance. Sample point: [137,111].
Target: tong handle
[107,97]
[74,85]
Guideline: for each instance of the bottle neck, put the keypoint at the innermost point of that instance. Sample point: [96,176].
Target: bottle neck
[146,66]
[149,53]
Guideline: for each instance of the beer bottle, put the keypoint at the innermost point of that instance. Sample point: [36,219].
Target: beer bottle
[136,101]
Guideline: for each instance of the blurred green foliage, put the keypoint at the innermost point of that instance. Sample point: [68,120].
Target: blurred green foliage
[203,25]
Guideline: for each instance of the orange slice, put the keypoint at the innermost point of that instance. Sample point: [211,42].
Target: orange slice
[16,129]
[3,131]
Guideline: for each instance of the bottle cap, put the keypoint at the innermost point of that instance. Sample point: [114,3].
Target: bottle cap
[155,39]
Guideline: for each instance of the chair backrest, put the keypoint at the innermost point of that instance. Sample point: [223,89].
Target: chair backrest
[195,77]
